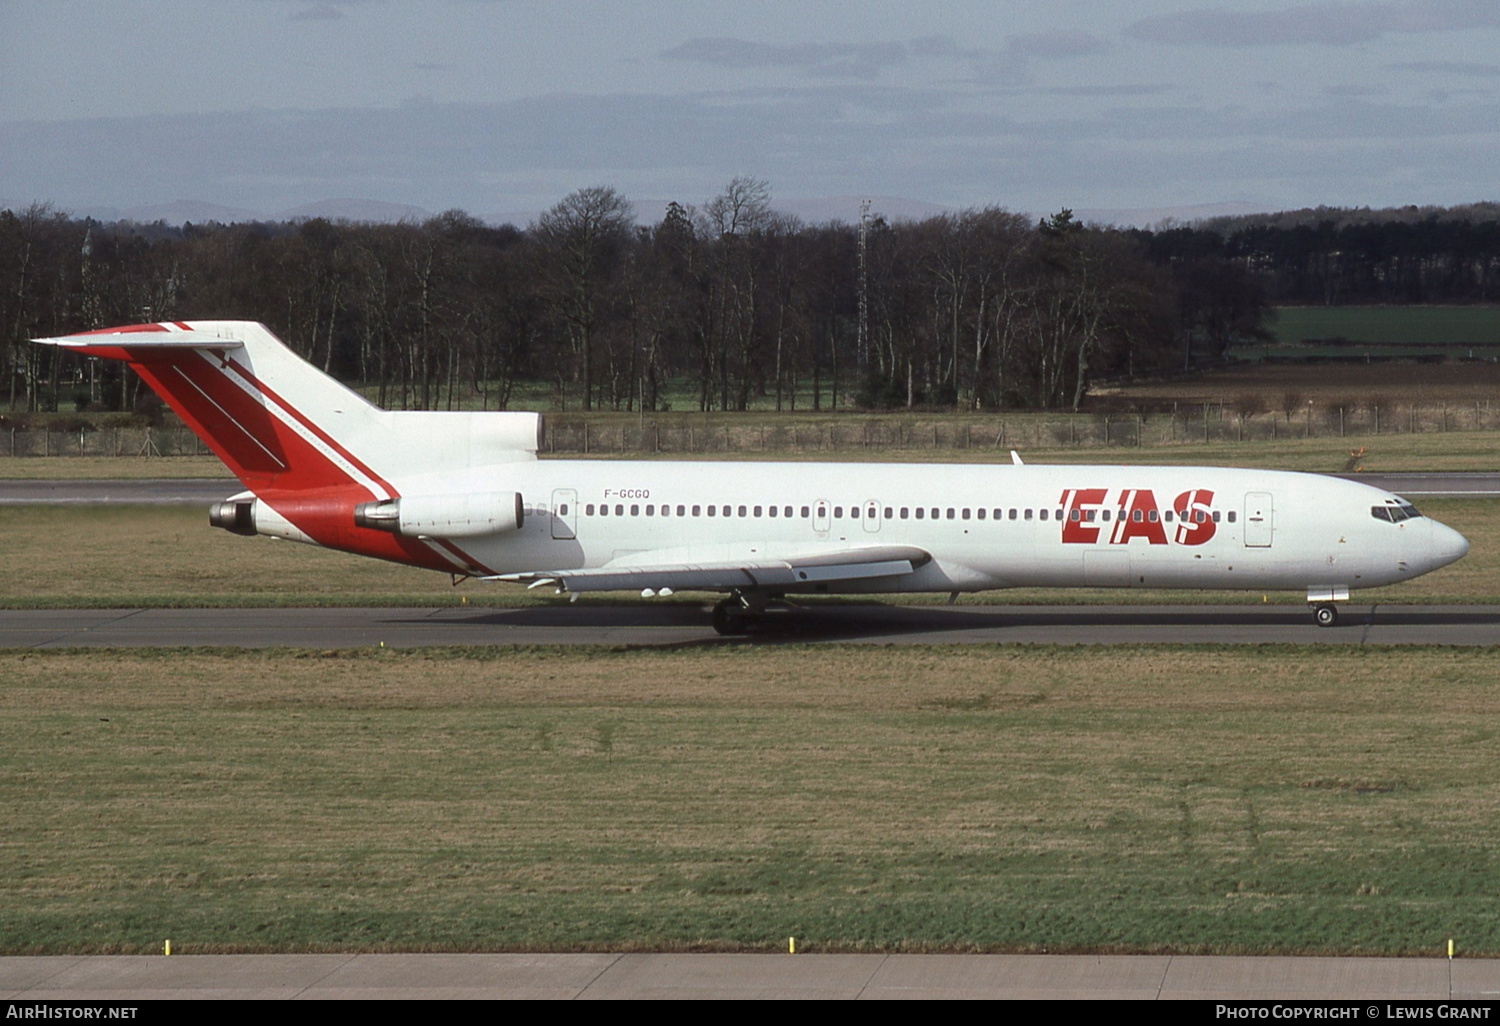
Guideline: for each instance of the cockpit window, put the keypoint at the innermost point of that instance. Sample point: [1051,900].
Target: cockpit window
[1395,514]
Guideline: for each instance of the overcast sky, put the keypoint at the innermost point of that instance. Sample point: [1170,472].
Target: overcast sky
[499,106]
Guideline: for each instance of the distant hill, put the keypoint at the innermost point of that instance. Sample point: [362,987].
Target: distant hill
[372,211]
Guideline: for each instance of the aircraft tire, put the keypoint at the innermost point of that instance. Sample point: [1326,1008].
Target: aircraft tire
[1326,615]
[727,619]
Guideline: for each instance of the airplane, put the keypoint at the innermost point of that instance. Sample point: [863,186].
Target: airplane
[464,493]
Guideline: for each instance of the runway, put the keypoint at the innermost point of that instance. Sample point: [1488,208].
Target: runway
[1354,981]
[203,491]
[646,624]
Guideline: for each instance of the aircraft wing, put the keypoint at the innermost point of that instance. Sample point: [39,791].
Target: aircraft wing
[794,573]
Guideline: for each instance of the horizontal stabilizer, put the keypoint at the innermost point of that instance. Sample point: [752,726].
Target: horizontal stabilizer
[800,573]
[143,342]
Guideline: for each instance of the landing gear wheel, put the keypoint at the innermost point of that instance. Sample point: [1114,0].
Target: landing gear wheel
[1326,615]
[729,617]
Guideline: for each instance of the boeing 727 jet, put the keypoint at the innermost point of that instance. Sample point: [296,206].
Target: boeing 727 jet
[464,493]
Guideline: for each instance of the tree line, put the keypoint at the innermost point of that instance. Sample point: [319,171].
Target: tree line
[983,309]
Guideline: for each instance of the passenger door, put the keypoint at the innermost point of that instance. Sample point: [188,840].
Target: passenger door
[1260,520]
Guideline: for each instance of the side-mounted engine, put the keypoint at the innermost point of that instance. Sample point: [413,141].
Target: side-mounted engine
[468,515]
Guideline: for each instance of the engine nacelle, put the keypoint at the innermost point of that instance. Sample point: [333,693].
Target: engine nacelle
[245,514]
[468,515]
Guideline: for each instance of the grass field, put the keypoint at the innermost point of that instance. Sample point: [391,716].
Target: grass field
[1399,325]
[123,556]
[972,439]
[1020,799]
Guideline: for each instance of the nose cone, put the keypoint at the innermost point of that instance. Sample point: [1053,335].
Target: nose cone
[1445,546]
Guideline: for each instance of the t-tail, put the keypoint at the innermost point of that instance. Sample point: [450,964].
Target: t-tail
[320,462]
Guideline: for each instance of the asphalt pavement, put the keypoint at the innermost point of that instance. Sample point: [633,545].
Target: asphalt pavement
[1357,982]
[646,623]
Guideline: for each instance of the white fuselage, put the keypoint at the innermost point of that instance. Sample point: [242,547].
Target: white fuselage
[986,526]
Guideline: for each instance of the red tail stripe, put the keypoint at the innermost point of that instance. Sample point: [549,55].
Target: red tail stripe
[130,329]
[297,415]
[469,562]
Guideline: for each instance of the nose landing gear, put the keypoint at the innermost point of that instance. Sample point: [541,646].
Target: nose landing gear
[1325,613]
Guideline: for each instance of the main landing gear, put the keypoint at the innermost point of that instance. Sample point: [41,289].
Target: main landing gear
[1326,614]
[738,612]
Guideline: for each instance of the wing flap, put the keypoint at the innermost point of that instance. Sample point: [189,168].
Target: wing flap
[798,572]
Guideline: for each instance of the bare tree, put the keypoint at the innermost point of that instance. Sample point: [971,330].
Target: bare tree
[584,235]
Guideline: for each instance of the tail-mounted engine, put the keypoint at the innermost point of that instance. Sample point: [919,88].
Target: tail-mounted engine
[468,515]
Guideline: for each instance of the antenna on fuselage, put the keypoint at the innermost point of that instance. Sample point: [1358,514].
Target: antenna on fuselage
[1015,458]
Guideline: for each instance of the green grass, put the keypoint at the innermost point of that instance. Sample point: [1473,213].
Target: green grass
[1391,325]
[128,556]
[1291,800]
[112,468]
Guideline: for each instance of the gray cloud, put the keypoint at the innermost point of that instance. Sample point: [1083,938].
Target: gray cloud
[1056,45]
[868,60]
[827,139]
[1328,24]
[1468,69]
[831,60]
[320,12]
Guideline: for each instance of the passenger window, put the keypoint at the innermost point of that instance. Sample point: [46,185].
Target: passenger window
[1167,516]
[1151,514]
[806,512]
[979,513]
[1012,514]
[838,512]
[650,511]
[1044,514]
[905,511]
[920,511]
[888,512]
[770,509]
[788,511]
[681,509]
[1104,515]
[1216,516]
[1231,516]
[757,511]
[697,511]
[950,512]
[588,510]
[1073,515]
[635,511]
[1028,514]
[965,513]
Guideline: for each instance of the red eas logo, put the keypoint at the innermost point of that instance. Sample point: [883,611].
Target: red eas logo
[1089,513]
